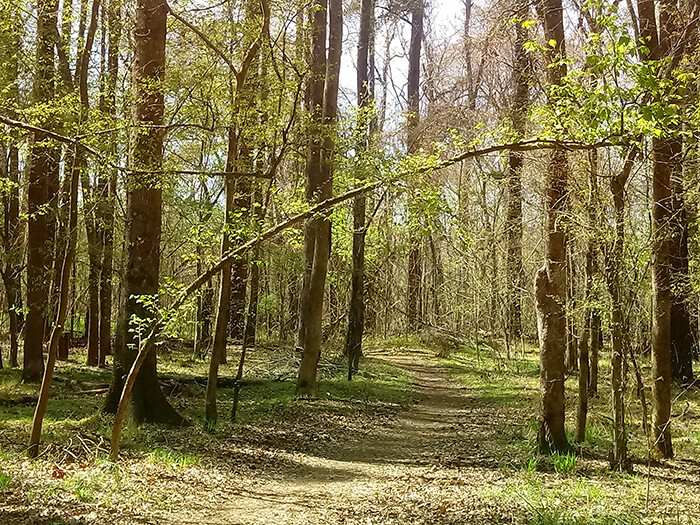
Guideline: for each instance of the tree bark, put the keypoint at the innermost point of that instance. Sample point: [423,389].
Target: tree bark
[43,159]
[658,41]
[57,330]
[415,273]
[315,94]
[661,279]
[143,229]
[306,382]
[12,234]
[514,213]
[550,281]
[365,102]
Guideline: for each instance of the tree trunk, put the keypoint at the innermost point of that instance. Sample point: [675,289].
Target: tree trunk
[661,328]
[315,91]
[619,460]
[57,330]
[143,229]
[109,187]
[12,234]
[588,335]
[43,160]
[415,273]
[365,101]
[218,349]
[682,337]
[658,42]
[306,382]
[514,214]
[550,281]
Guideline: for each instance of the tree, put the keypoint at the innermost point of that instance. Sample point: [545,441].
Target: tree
[614,279]
[550,281]
[143,228]
[514,214]
[365,104]
[108,182]
[237,202]
[11,232]
[415,273]
[319,173]
[657,39]
[44,158]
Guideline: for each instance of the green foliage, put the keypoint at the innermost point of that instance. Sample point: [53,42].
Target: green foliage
[564,463]
[5,480]
[84,490]
[173,459]
[531,465]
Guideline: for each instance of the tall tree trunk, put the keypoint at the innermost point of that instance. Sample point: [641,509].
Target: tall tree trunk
[682,336]
[661,328]
[108,184]
[143,229]
[365,101]
[43,159]
[314,94]
[90,207]
[550,281]
[12,235]
[314,97]
[306,382]
[514,214]
[237,150]
[586,339]
[218,349]
[658,42]
[57,330]
[415,273]
[614,278]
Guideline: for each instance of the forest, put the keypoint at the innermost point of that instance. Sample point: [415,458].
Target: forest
[349,261]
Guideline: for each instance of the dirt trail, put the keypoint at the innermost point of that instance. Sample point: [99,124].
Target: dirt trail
[416,469]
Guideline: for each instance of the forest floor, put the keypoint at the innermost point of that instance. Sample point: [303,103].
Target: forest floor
[415,439]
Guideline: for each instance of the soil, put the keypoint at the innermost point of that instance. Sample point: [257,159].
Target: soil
[439,460]
[418,468]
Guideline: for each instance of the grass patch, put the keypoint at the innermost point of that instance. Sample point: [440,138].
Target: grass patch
[84,490]
[173,459]
[5,480]
[564,463]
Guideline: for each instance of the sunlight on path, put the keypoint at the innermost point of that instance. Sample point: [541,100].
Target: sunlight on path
[410,467]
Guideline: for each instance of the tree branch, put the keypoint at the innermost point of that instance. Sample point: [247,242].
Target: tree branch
[204,38]
[149,343]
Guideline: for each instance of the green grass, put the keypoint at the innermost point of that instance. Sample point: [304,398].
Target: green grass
[497,381]
[377,383]
[5,480]
[84,490]
[173,459]
[563,463]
